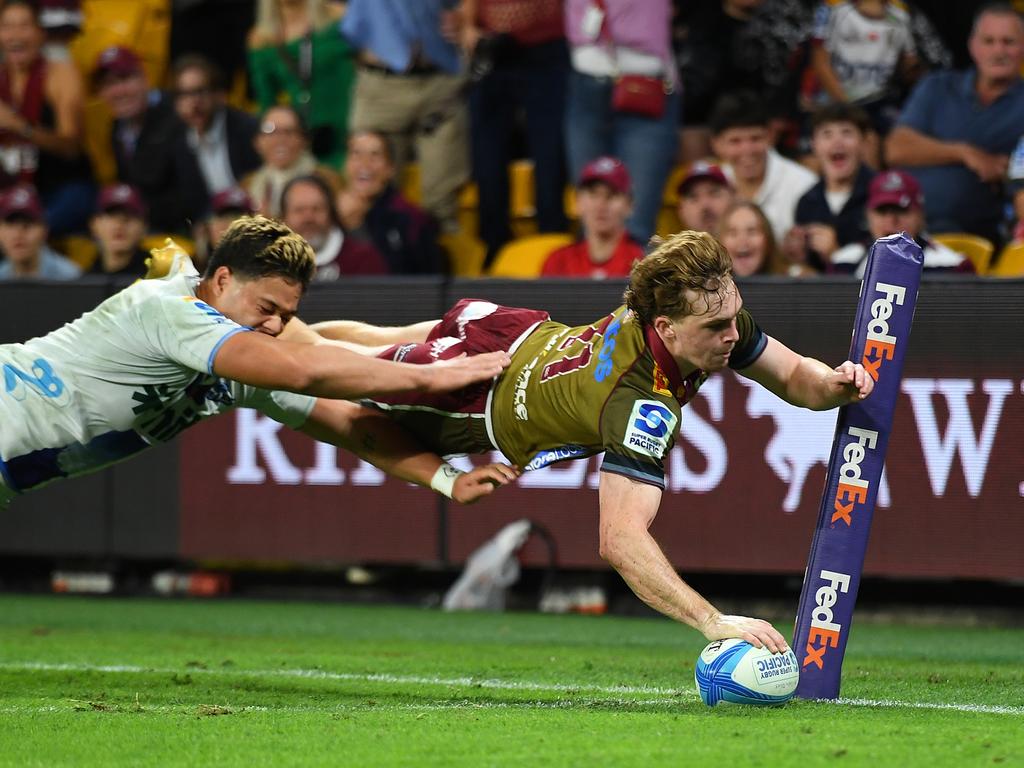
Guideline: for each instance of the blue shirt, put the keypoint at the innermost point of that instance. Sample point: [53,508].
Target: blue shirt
[392,30]
[52,266]
[945,106]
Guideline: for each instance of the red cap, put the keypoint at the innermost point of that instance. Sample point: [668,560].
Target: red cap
[21,201]
[117,60]
[231,200]
[895,188]
[607,170]
[703,170]
[121,197]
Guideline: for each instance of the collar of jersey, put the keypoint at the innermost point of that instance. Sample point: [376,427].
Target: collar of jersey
[668,365]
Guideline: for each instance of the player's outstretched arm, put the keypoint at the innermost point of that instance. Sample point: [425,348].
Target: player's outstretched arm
[628,508]
[372,436]
[329,371]
[296,330]
[807,382]
[367,335]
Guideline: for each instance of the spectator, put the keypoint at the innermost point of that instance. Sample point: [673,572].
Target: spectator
[296,50]
[307,208]
[831,214]
[225,207]
[520,61]
[957,129]
[23,239]
[118,227]
[747,236]
[218,149]
[704,195]
[146,137]
[896,204]
[408,88]
[283,146]
[372,210]
[61,22]
[630,39]
[604,200]
[41,114]
[741,138]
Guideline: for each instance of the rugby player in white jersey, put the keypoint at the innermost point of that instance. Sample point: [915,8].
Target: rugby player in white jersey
[165,353]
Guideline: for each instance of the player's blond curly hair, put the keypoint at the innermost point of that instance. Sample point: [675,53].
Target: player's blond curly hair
[255,246]
[687,274]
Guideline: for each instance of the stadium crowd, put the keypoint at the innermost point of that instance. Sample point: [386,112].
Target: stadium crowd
[431,136]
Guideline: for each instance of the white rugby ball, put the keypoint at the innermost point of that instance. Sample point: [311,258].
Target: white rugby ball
[735,671]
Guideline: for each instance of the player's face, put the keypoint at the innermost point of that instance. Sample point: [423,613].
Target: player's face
[265,304]
[704,341]
[745,149]
[997,46]
[702,205]
[838,148]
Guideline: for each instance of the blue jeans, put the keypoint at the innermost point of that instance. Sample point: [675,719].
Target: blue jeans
[647,147]
[69,206]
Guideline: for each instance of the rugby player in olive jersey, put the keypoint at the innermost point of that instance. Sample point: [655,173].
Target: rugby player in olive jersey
[615,386]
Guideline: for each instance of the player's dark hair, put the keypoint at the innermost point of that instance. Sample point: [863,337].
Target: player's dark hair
[839,112]
[738,110]
[693,263]
[255,247]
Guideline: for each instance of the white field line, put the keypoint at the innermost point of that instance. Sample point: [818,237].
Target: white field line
[484,683]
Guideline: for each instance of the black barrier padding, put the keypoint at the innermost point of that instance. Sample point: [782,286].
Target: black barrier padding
[33,308]
[144,505]
[394,301]
[65,518]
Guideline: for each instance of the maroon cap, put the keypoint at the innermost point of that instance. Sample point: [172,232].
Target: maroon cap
[895,188]
[232,200]
[606,170]
[21,201]
[117,60]
[703,170]
[121,197]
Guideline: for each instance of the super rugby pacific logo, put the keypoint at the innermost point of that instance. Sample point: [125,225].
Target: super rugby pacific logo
[880,344]
[825,631]
[650,428]
[853,488]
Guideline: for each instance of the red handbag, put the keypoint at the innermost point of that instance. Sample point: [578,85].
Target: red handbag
[639,95]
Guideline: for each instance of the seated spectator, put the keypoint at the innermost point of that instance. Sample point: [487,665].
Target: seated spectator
[747,236]
[218,149]
[41,115]
[23,239]
[297,51]
[604,200]
[958,128]
[146,137]
[742,140]
[118,227]
[831,213]
[225,207]
[306,207]
[372,210]
[704,195]
[896,204]
[283,146]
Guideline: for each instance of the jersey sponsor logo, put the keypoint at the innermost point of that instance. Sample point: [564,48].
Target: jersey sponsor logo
[825,632]
[604,355]
[544,458]
[163,411]
[206,309]
[40,378]
[880,345]
[660,385]
[650,428]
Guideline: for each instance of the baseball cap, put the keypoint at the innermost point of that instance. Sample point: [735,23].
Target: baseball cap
[21,201]
[606,170]
[231,200]
[121,197]
[895,188]
[117,60]
[703,170]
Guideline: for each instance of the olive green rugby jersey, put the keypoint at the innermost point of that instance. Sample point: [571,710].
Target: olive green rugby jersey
[610,386]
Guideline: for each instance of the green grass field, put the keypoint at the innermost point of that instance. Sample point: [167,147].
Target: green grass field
[112,682]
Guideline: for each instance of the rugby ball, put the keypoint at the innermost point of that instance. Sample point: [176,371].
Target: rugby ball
[735,671]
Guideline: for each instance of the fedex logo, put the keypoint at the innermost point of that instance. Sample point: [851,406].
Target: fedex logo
[880,345]
[853,489]
[825,632]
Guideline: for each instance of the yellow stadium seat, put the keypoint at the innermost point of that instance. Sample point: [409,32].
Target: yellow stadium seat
[80,249]
[466,254]
[524,258]
[409,183]
[977,249]
[1010,262]
[522,204]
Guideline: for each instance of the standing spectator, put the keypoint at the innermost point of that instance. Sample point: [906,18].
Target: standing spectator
[283,147]
[747,236]
[296,51]
[519,55]
[628,38]
[604,199]
[704,195]
[61,21]
[958,128]
[225,207]
[146,137]
[741,138]
[218,149]
[372,210]
[23,239]
[409,88]
[41,117]
[307,207]
[118,227]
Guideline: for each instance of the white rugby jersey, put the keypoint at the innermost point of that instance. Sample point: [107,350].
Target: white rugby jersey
[133,372]
[864,52]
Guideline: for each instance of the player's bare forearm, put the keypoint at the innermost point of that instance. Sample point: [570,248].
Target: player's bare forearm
[368,335]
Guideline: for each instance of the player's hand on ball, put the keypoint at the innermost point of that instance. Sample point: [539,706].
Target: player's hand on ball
[851,382]
[459,372]
[757,632]
[474,485]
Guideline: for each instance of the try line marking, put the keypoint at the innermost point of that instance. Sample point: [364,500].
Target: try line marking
[470,682]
